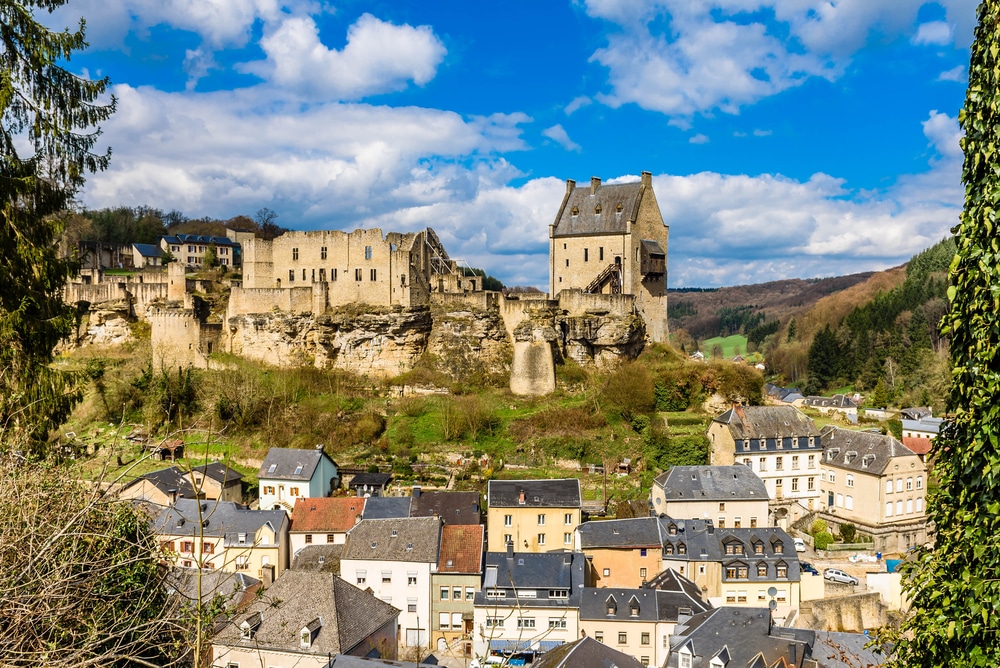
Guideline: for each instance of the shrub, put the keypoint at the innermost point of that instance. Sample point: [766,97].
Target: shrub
[848,532]
[818,527]
[822,540]
[629,390]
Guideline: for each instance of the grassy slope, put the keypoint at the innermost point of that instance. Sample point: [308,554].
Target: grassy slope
[730,344]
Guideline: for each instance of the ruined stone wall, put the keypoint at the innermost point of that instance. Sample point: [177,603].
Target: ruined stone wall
[853,613]
[176,339]
[139,295]
[243,301]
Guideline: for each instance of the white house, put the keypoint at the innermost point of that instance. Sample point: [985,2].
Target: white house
[288,474]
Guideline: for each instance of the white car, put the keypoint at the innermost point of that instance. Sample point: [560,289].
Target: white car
[800,545]
[837,575]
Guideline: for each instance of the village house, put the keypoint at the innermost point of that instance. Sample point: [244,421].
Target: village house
[748,637]
[190,249]
[875,483]
[611,239]
[289,474]
[585,652]
[536,515]
[386,507]
[370,484]
[305,619]
[451,507]
[838,403]
[735,566]
[395,558]
[224,535]
[147,255]
[919,434]
[622,553]
[730,496]
[324,520]
[639,621]
[781,445]
[454,586]
[213,482]
[528,600]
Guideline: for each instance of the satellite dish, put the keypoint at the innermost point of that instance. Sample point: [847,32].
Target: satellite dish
[772,605]
[772,591]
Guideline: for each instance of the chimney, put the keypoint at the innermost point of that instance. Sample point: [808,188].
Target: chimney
[416,491]
[520,498]
[791,654]
[570,186]
[267,575]
[510,549]
[595,183]
[647,179]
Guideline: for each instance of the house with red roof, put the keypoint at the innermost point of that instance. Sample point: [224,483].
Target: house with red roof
[454,586]
[324,520]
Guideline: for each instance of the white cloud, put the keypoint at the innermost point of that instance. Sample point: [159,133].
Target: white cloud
[198,63]
[698,139]
[956,73]
[683,57]
[936,33]
[762,133]
[577,103]
[944,134]
[558,134]
[379,57]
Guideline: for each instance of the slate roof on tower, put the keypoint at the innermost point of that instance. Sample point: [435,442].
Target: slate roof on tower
[598,208]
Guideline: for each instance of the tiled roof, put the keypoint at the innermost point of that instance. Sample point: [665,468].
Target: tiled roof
[452,507]
[920,446]
[461,549]
[609,198]
[756,422]
[586,652]
[290,463]
[414,539]
[561,493]
[860,451]
[711,483]
[347,615]
[327,514]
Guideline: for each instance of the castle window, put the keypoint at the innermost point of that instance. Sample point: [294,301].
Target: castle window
[303,274]
[357,274]
[373,273]
[295,253]
[322,275]
[567,262]
[291,275]
[586,254]
[322,253]
[368,252]
[619,208]
[402,280]
[333,274]
[600,253]
[597,209]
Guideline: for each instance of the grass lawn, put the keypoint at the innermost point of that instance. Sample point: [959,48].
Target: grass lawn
[731,345]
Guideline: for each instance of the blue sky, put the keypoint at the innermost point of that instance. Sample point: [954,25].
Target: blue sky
[787,138]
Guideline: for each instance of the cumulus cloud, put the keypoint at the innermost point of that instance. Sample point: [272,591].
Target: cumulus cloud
[577,103]
[683,57]
[762,133]
[935,33]
[379,57]
[698,139]
[956,73]
[557,133]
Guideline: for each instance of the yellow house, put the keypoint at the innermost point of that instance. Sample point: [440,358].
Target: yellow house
[623,553]
[534,515]
[225,536]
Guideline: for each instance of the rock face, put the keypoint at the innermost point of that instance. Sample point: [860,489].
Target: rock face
[470,343]
[600,339]
[104,324]
[378,344]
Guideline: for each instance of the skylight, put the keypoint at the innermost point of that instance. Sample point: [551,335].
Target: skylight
[270,469]
[298,469]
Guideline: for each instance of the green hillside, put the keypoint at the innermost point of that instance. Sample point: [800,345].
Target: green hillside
[728,347]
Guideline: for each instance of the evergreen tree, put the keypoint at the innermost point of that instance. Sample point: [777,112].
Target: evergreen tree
[791,331]
[954,588]
[56,112]
[824,354]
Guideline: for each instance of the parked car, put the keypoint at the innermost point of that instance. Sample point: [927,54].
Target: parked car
[806,567]
[837,575]
[800,545]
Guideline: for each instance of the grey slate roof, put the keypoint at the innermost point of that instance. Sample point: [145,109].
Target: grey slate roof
[860,451]
[415,539]
[632,532]
[834,649]
[928,424]
[836,401]
[198,239]
[168,479]
[770,422]
[286,461]
[596,602]
[608,221]
[219,472]
[222,519]
[452,507]
[148,250]
[371,479]
[561,493]
[347,615]
[542,572]
[232,587]
[318,558]
[743,634]
[586,653]
[384,507]
[711,483]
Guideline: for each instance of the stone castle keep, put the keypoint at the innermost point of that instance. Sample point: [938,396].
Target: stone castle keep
[376,303]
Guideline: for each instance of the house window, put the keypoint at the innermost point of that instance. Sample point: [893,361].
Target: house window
[361,577]
[294,491]
[779,482]
[920,482]
[753,522]
[812,461]
[899,484]
[840,500]
[762,464]
[373,274]
[782,570]
[541,520]
[920,504]
[494,622]
[444,621]
[722,507]
[470,593]
[508,520]
[888,508]
[541,539]
[811,484]
[758,548]
[795,462]
[599,636]
[644,639]
[607,572]
[411,605]
[357,274]
[795,484]
[642,573]
[557,622]
[567,538]
[368,252]
[850,480]
[330,538]
[600,253]
[909,484]
[722,522]
[309,538]
[207,548]
[525,622]
[386,577]
[909,506]
[295,253]
[849,502]
[586,254]
[622,638]
[411,579]
[730,596]
[737,522]
[242,563]
[778,464]
[568,518]
[444,593]
[681,549]
[741,597]
[762,570]
[456,593]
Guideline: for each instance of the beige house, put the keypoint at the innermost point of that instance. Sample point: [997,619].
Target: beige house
[611,239]
[875,483]
[782,446]
[305,619]
[324,520]
[623,553]
[213,482]
[534,515]
[225,536]
[729,496]
[454,586]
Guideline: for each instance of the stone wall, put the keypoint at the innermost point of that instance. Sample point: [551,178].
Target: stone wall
[139,295]
[244,300]
[853,613]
